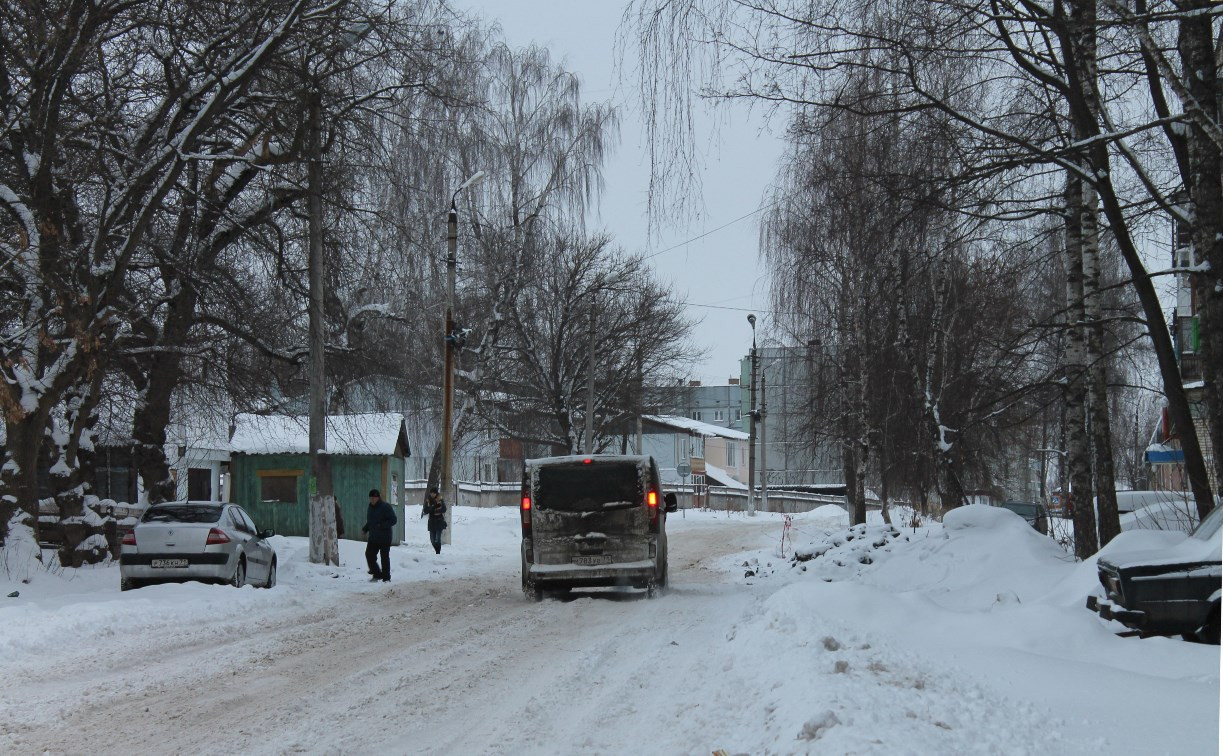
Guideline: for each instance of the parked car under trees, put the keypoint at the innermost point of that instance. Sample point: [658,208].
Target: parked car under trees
[197,540]
[1167,591]
[1034,513]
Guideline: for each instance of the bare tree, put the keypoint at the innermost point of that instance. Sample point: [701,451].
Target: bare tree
[1023,101]
[105,104]
[638,330]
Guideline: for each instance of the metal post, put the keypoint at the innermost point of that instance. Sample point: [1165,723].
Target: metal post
[588,447]
[751,423]
[764,443]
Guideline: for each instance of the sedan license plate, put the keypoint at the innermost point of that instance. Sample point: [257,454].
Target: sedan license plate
[168,562]
[600,559]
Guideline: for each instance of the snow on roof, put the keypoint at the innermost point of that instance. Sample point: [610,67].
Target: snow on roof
[705,429]
[722,477]
[374,434]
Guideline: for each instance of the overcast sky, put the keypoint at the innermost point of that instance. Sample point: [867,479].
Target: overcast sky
[719,274]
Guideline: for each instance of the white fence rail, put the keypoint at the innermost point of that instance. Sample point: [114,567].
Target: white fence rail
[476,494]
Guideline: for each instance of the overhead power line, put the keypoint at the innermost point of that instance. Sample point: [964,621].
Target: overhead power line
[711,231]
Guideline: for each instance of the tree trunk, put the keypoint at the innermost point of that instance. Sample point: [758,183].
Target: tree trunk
[1097,373]
[1205,185]
[19,475]
[160,375]
[68,484]
[1078,448]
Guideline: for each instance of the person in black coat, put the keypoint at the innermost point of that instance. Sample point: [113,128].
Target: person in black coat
[378,523]
[435,510]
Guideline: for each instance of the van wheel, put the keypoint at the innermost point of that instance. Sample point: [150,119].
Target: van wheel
[662,581]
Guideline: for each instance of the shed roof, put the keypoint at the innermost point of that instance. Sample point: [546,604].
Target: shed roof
[721,477]
[704,429]
[374,434]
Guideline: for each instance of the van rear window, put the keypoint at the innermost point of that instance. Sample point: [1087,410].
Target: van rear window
[588,488]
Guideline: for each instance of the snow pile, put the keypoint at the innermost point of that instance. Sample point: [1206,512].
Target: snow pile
[963,637]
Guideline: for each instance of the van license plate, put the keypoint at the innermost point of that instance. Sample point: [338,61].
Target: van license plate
[601,559]
[168,562]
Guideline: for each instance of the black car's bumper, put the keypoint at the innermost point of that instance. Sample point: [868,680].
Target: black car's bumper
[1108,610]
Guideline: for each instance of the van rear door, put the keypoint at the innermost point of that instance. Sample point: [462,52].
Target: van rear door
[590,513]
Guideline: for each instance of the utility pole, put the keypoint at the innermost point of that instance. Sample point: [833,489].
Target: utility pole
[452,244]
[323,547]
[588,447]
[640,405]
[751,421]
[451,343]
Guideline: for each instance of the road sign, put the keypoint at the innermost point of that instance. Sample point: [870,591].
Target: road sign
[684,469]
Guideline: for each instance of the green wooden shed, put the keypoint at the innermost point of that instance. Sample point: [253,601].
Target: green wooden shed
[270,466]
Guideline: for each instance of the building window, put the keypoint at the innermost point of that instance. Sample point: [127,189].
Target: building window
[730,455]
[278,485]
[199,484]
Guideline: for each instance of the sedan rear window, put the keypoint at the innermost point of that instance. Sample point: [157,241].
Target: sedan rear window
[182,513]
[588,488]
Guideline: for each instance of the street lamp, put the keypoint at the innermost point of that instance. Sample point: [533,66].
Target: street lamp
[452,340]
[751,424]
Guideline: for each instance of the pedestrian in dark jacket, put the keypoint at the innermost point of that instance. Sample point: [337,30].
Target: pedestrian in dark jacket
[378,523]
[435,510]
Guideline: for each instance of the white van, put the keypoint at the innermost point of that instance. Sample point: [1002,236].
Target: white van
[593,521]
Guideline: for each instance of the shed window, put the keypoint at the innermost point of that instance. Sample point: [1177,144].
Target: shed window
[280,487]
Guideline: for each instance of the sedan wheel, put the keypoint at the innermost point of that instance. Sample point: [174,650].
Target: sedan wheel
[239,578]
[271,581]
[127,584]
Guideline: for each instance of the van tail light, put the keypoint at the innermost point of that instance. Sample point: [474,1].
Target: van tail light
[526,515]
[129,538]
[651,502]
[216,537]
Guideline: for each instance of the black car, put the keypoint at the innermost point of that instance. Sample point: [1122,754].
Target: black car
[1036,514]
[1167,592]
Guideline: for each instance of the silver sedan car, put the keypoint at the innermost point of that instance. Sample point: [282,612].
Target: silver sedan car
[196,540]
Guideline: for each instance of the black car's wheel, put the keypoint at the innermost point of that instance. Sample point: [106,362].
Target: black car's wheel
[1210,631]
[127,584]
[271,581]
[239,577]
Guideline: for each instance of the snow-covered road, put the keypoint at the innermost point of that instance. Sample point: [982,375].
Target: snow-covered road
[451,658]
